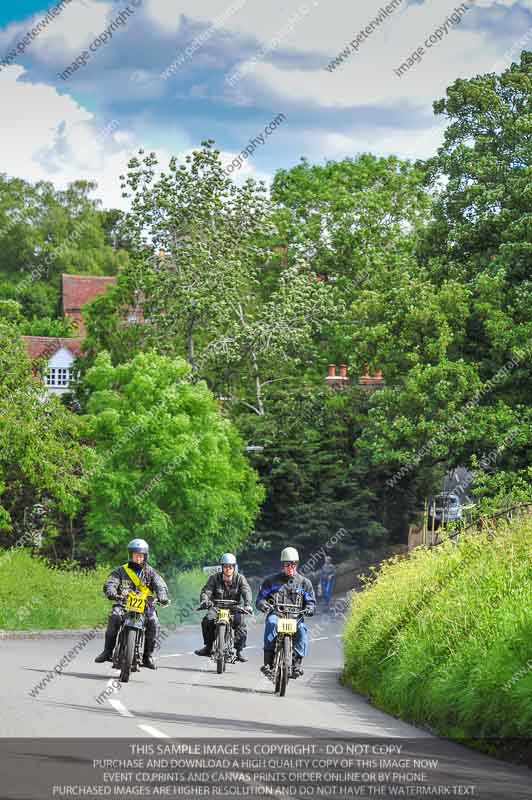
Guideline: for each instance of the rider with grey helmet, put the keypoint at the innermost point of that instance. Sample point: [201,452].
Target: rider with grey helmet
[228,584]
[116,588]
[286,586]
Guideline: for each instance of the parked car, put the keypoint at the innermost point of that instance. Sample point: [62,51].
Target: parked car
[445,507]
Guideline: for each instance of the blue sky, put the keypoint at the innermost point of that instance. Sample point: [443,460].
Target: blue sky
[122,98]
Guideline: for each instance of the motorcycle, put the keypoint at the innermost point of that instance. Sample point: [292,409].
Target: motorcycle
[288,615]
[223,651]
[129,648]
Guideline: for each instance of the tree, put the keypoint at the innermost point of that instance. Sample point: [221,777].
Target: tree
[41,457]
[45,232]
[345,215]
[168,466]
[481,237]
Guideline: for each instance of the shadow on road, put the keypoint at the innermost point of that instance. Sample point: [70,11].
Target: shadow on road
[90,675]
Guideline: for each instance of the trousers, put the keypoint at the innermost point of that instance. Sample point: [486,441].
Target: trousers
[151,631]
[208,629]
[300,639]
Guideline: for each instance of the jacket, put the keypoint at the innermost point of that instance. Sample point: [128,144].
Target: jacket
[119,583]
[284,589]
[215,589]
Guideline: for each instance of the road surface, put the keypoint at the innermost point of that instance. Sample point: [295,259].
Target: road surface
[185,698]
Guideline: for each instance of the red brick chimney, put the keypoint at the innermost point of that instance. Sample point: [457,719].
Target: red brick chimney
[336,381]
[366,381]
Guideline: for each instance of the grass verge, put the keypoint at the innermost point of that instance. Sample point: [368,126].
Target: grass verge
[443,638]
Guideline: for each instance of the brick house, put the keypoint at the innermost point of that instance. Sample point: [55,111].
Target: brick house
[60,352]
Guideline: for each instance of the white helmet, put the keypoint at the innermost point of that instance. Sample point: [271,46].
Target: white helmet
[228,558]
[290,554]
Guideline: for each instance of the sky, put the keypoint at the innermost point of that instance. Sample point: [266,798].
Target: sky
[163,75]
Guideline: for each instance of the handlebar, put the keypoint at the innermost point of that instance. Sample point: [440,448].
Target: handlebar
[230,604]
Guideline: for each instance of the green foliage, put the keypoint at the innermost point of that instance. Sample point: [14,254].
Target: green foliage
[41,457]
[350,216]
[37,596]
[167,467]
[444,637]
[45,232]
[315,484]
[184,590]
[45,326]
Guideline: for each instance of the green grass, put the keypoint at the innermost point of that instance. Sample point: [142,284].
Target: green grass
[444,637]
[184,588]
[35,596]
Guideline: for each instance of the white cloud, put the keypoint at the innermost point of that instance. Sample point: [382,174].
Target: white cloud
[367,77]
[48,136]
[409,144]
[68,33]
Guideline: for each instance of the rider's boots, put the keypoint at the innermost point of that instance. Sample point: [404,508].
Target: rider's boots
[205,651]
[109,646]
[296,666]
[148,661]
[268,661]
[240,656]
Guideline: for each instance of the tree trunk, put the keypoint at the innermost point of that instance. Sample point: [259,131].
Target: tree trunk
[258,385]
[190,344]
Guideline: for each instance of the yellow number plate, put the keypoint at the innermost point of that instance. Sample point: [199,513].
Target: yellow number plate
[135,602]
[287,626]
[223,614]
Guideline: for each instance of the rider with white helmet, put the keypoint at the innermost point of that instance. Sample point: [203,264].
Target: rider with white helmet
[286,586]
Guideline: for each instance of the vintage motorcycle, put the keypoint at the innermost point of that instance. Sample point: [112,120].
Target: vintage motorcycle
[129,648]
[287,619]
[223,651]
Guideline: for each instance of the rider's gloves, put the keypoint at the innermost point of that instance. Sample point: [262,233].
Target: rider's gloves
[206,604]
[249,609]
[111,596]
[164,601]
[308,611]
[266,607]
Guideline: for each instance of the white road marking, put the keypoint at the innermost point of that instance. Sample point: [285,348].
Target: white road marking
[120,707]
[153,732]
[319,638]
[172,655]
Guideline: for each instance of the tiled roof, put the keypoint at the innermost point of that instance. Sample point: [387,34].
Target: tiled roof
[76,290]
[37,346]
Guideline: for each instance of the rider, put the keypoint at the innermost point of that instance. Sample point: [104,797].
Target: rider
[122,580]
[327,576]
[228,584]
[287,586]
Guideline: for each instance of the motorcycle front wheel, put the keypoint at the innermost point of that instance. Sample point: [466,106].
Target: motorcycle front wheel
[220,650]
[129,637]
[287,665]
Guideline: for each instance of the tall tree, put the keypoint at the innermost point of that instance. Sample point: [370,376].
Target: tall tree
[168,466]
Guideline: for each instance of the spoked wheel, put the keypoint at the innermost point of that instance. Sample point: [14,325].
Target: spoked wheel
[220,650]
[129,637]
[287,664]
[278,666]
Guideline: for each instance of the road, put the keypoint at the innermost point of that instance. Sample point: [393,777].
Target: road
[185,698]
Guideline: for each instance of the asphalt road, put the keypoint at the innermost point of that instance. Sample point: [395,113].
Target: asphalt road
[185,698]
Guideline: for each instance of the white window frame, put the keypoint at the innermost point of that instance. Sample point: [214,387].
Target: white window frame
[58,377]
